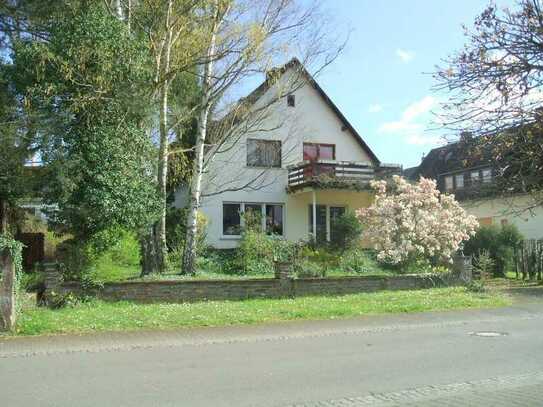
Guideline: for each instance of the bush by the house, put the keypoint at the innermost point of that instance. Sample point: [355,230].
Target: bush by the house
[413,221]
[346,231]
[258,252]
[357,260]
[500,243]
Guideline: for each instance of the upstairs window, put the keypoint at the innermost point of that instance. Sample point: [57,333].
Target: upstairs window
[291,100]
[263,153]
[316,151]
[475,177]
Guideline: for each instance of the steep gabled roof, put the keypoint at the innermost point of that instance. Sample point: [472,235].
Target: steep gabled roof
[448,158]
[295,63]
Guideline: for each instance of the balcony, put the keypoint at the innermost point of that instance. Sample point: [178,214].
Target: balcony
[327,174]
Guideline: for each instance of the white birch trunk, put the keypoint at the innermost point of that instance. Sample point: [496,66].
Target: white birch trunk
[189,254]
[161,250]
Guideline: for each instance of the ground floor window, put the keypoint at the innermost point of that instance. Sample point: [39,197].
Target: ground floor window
[269,217]
[326,221]
[231,219]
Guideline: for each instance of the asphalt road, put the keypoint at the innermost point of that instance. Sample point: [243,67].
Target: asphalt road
[432,359]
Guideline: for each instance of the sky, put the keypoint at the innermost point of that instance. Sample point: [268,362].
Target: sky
[381,82]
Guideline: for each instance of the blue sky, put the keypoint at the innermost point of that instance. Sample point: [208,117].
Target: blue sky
[379,81]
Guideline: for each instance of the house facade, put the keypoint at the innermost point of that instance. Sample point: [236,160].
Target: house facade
[300,167]
[473,182]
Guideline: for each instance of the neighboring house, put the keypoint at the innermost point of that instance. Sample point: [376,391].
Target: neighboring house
[474,186]
[300,169]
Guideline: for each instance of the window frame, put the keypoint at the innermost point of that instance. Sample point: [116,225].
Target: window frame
[291,100]
[263,206]
[475,177]
[486,179]
[318,146]
[264,141]
[459,177]
[446,185]
[231,236]
[328,219]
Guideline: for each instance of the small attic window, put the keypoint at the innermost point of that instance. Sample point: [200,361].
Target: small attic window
[291,100]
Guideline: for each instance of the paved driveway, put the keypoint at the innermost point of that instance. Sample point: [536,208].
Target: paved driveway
[431,359]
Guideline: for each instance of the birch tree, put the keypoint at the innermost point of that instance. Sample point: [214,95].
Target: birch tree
[170,29]
[244,38]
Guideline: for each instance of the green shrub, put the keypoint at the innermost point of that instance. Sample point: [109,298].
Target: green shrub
[499,242]
[255,253]
[306,268]
[32,281]
[484,264]
[176,229]
[258,252]
[346,231]
[357,260]
[126,250]
[112,255]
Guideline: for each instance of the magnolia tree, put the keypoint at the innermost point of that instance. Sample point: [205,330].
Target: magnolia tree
[409,221]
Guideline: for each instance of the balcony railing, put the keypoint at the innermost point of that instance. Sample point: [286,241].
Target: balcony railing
[336,174]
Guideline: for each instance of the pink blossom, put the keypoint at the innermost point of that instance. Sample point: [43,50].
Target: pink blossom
[415,219]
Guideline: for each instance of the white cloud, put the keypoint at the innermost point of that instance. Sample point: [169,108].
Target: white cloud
[416,109]
[375,108]
[425,139]
[410,127]
[404,55]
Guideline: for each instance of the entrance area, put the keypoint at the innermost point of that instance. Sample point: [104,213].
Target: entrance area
[326,218]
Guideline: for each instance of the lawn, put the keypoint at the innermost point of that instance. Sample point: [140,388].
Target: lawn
[97,316]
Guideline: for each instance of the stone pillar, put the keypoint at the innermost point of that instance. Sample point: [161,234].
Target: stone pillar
[8,312]
[282,273]
[462,268]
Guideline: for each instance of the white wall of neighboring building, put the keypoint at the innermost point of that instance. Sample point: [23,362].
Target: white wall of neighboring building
[310,120]
[529,223]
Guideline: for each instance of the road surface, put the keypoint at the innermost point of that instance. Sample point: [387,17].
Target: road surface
[477,357]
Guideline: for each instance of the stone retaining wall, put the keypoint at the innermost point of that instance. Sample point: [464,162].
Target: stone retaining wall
[281,286]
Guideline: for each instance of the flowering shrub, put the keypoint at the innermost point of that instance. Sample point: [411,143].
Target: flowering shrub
[410,221]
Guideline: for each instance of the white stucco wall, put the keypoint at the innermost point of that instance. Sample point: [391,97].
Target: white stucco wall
[311,120]
[529,223]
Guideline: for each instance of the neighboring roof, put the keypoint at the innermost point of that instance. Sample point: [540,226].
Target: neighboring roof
[408,172]
[295,63]
[448,158]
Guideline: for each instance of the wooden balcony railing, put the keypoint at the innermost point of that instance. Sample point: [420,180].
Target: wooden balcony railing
[336,174]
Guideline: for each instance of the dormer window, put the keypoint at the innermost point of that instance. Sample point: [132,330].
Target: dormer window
[291,100]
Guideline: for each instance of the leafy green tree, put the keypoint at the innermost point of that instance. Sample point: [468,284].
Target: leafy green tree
[85,87]
[498,241]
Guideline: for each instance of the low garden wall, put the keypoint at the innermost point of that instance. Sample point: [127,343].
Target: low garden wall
[281,286]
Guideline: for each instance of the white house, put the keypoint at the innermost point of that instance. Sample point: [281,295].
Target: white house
[300,164]
[474,187]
